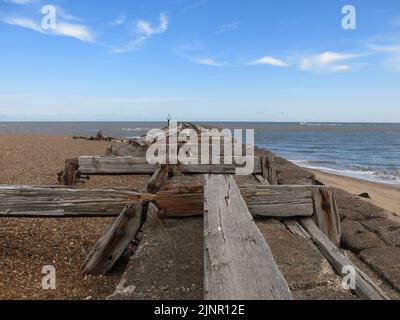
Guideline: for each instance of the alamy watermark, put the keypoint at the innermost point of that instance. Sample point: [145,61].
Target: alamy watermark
[349,277]
[208,147]
[49,280]
[349,21]
[49,21]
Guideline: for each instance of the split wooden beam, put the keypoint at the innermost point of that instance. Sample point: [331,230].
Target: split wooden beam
[115,240]
[238,261]
[365,288]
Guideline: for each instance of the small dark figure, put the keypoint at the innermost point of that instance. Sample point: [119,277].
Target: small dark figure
[365,195]
[99,135]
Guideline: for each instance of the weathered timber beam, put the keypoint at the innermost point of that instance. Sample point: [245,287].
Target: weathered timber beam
[115,240]
[175,201]
[29,201]
[238,261]
[365,288]
[101,165]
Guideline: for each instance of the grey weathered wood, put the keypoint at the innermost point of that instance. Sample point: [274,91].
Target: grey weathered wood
[269,169]
[178,200]
[261,179]
[102,165]
[238,262]
[278,201]
[365,288]
[115,240]
[30,201]
[327,213]
[157,179]
[295,227]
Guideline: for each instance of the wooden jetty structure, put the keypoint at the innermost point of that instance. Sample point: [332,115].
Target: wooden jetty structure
[238,262]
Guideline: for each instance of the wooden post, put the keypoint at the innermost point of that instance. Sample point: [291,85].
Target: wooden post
[70,170]
[238,261]
[269,169]
[326,213]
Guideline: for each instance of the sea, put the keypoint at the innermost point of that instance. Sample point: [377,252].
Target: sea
[369,151]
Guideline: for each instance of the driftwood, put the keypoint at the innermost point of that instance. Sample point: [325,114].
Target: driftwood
[238,262]
[109,139]
[365,288]
[115,240]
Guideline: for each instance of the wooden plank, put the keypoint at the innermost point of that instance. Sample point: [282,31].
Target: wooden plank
[100,165]
[31,201]
[278,201]
[176,200]
[103,165]
[365,288]
[115,240]
[238,261]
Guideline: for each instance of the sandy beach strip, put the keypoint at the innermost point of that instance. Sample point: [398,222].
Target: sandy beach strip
[383,195]
[26,245]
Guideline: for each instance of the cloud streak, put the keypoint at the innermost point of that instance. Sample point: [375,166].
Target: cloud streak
[76,31]
[19,1]
[327,62]
[267,60]
[209,62]
[145,30]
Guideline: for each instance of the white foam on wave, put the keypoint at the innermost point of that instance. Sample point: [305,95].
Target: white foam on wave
[135,129]
[372,176]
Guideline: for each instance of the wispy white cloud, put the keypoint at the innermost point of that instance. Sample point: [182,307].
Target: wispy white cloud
[209,62]
[145,30]
[327,62]
[228,27]
[267,60]
[19,1]
[76,31]
[23,23]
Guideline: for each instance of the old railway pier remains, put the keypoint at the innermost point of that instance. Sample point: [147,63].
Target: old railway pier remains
[238,261]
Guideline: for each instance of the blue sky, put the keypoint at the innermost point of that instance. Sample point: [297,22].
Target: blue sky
[234,60]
